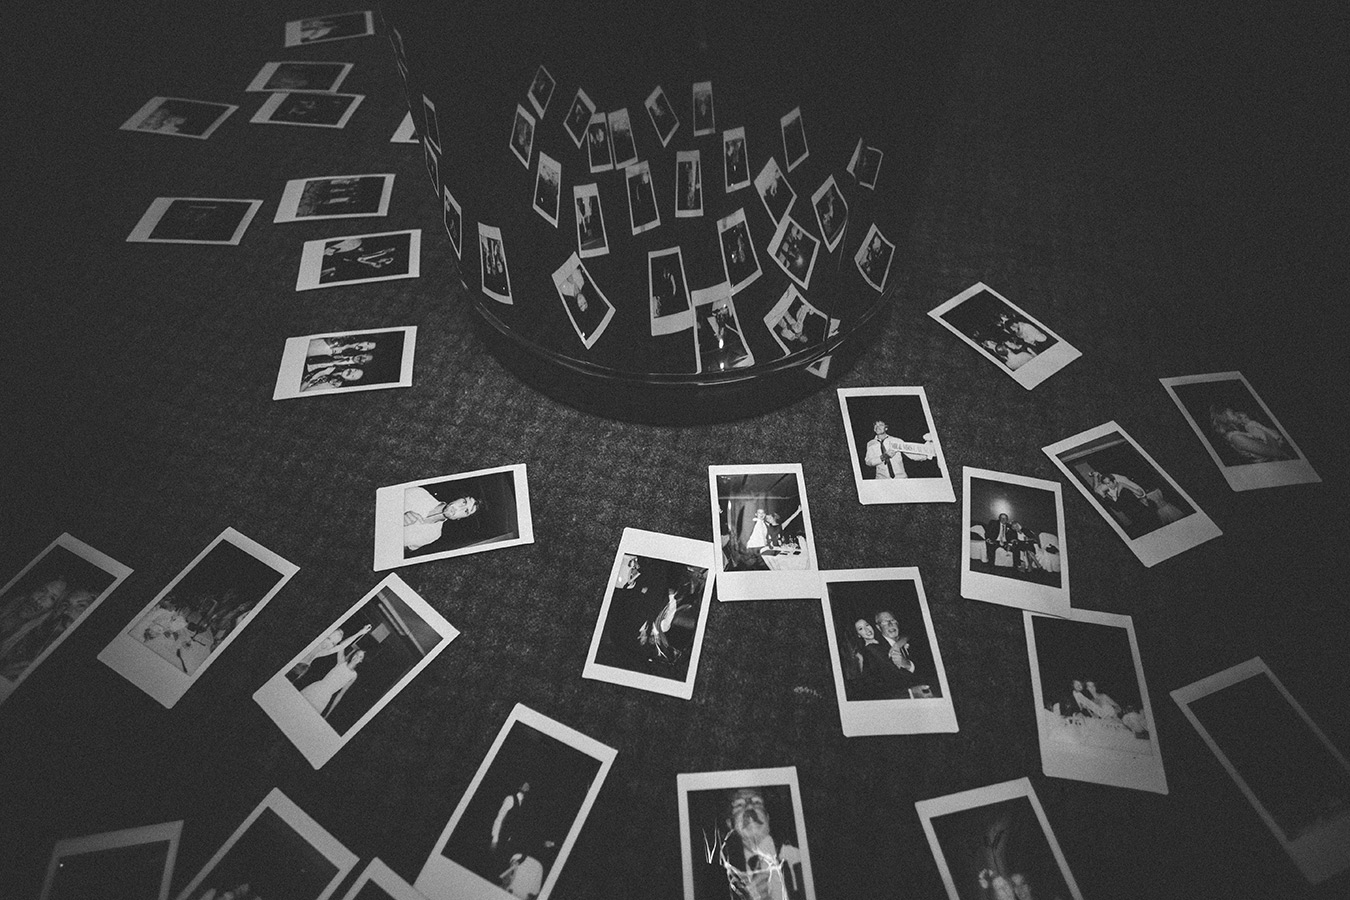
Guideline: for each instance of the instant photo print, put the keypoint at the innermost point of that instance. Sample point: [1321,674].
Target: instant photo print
[433,124]
[621,136]
[739,261]
[195,220]
[453,218]
[308,109]
[179,117]
[794,249]
[335,197]
[874,257]
[592,239]
[1005,334]
[360,259]
[893,446]
[588,309]
[773,189]
[346,362]
[662,115]
[704,114]
[668,292]
[688,184]
[406,133]
[831,212]
[735,159]
[578,117]
[599,147]
[643,214]
[548,188]
[522,136]
[322,77]
[762,527]
[794,138]
[338,27]
[541,90]
[132,862]
[1016,552]
[795,324]
[496,279]
[719,343]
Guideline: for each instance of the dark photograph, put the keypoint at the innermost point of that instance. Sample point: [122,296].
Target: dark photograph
[1090,692]
[340,197]
[193,219]
[541,90]
[318,29]
[642,211]
[665,278]
[587,308]
[735,161]
[270,859]
[688,184]
[795,252]
[598,144]
[745,845]
[794,138]
[1000,850]
[38,608]
[177,116]
[548,188]
[458,513]
[522,136]
[704,114]
[796,324]
[738,253]
[578,117]
[760,522]
[869,167]
[1125,485]
[1233,422]
[999,329]
[1014,531]
[662,115]
[621,137]
[773,188]
[721,346]
[301,76]
[884,651]
[873,258]
[592,240]
[831,212]
[115,872]
[653,615]
[492,258]
[326,110]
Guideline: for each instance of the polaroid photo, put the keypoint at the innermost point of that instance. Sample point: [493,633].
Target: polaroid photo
[176,637]
[277,851]
[704,114]
[47,600]
[432,158]
[313,110]
[132,862]
[588,309]
[349,672]
[179,117]
[765,546]
[1093,715]
[433,124]
[323,77]
[662,115]
[1295,779]
[515,825]
[672,309]
[795,324]
[592,240]
[995,841]
[578,118]
[1005,334]
[794,138]
[650,628]
[346,362]
[873,258]
[621,136]
[642,212]
[831,212]
[1016,553]
[599,149]
[1242,435]
[337,27]
[379,882]
[852,167]
[452,515]
[893,446]
[541,90]
[888,671]
[735,160]
[821,367]
[869,168]
[453,219]
[522,136]
[773,189]
[719,343]
[335,197]
[492,259]
[743,834]
[359,259]
[195,220]
[548,188]
[406,133]
[1143,505]
[739,261]
[795,250]
[688,184]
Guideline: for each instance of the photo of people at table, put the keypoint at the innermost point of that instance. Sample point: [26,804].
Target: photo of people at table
[1014,531]
[761,522]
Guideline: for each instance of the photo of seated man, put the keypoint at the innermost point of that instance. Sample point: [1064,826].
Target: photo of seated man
[1014,531]
[761,523]
[459,513]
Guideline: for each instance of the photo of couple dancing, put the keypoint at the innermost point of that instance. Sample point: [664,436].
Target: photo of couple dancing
[653,615]
[761,522]
[884,650]
[42,605]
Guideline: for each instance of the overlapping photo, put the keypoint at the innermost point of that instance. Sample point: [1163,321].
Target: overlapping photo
[432,123]
[453,218]
[831,212]
[795,249]
[578,118]
[670,307]
[874,257]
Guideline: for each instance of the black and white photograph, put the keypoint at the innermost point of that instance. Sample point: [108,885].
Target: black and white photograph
[176,637]
[131,862]
[346,362]
[831,212]
[379,882]
[773,188]
[1005,334]
[735,160]
[1093,714]
[179,117]
[349,672]
[548,188]
[1284,765]
[765,546]
[873,258]
[865,165]
[432,157]
[795,250]
[995,841]
[452,515]
[359,259]
[453,219]
[688,184]
[1016,553]
[738,252]
[1143,505]
[406,132]
[621,137]
[649,632]
[588,309]
[47,600]
[794,138]
[432,123]
[277,851]
[578,117]
[671,308]
[599,148]
[662,115]
[522,135]
[705,118]
[195,220]
[592,239]
[492,262]
[719,343]
[893,446]
[541,90]
[515,826]
[1239,431]
[795,324]
[335,27]
[642,212]
[292,75]
[888,671]
[335,197]
[308,109]
[743,835]
[821,367]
